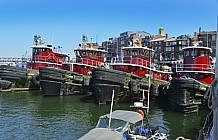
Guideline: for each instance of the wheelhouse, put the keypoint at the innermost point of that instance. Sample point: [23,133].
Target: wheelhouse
[45,55]
[197,64]
[138,55]
[88,56]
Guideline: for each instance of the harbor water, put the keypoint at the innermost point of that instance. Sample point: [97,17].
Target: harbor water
[30,115]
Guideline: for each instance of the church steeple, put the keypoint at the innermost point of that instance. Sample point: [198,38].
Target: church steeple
[161,31]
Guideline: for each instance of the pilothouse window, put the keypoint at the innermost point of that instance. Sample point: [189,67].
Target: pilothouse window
[83,53]
[194,53]
[134,52]
[76,53]
[127,52]
[201,53]
[186,53]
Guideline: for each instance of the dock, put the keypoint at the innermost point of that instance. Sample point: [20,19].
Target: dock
[15,89]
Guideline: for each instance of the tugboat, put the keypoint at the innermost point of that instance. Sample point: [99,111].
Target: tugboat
[138,60]
[131,76]
[13,77]
[197,64]
[88,56]
[74,77]
[44,55]
[194,76]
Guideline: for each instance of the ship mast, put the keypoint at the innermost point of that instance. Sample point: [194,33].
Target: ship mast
[215,99]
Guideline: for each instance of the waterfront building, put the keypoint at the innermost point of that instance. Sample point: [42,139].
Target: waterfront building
[173,47]
[209,39]
[111,47]
[167,49]
[114,45]
[157,43]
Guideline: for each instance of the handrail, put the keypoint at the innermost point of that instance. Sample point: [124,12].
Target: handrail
[23,59]
[89,62]
[47,59]
[195,67]
[135,61]
[142,62]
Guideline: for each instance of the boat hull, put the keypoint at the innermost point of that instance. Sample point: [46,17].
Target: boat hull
[4,84]
[203,77]
[104,82]
[60,82]
[51,88]
[182,92]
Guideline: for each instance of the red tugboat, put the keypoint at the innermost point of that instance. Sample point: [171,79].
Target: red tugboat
[197,64]
[139,60]
[88,56]
[74,76]
[44,55]
[194,75]
[130,78]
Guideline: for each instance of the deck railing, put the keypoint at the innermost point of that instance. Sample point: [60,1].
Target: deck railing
[88,62]
[135,61]
[195,67]
[47,59]
[5,59]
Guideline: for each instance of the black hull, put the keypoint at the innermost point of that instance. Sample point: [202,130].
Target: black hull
[181,95]
[51,88]
[104,92]
[104,81]
[127,87]
[16,75]
[58,82]
[4,84]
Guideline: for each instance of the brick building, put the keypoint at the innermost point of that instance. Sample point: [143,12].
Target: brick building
[114,45]
[167,49]
[209,39]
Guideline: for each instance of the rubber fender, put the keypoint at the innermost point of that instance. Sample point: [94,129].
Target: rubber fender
[35,79]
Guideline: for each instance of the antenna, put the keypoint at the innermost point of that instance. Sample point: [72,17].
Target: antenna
[52,38]
[91,39]
[96,39]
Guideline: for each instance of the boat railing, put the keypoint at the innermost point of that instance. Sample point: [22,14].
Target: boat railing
[194,67]
[52,59]
[16,60]
[134,61]
[88,62]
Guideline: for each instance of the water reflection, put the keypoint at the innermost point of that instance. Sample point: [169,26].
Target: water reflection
[32,116]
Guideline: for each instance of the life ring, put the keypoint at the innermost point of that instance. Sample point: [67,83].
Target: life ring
[180,138]
[140,112]
[99,64]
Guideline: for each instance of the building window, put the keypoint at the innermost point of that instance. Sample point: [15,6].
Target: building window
[213,37]
[184,42]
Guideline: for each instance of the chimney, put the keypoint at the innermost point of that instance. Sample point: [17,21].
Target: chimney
[166,36]
[195,33]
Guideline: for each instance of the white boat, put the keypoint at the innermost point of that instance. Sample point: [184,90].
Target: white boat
[123,125]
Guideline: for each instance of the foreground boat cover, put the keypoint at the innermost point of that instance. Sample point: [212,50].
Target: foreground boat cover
[128,116]
[101,134]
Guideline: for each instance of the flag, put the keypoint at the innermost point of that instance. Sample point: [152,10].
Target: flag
[161,57]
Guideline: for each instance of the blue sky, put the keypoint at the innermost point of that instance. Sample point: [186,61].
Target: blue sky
[63,22]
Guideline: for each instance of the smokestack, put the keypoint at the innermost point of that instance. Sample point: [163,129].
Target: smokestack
[166,36]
